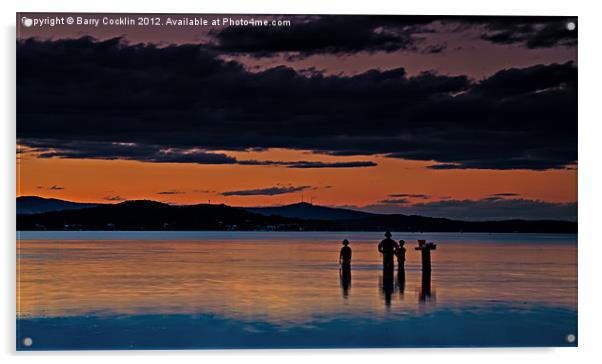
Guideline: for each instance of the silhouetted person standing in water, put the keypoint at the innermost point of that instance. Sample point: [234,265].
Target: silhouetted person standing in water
[388,247]
[345,262]
[345,255]
[400,252]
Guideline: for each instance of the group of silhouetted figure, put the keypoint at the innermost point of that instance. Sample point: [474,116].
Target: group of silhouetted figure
[390,249]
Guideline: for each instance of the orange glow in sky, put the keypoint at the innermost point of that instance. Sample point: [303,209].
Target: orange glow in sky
[86,180]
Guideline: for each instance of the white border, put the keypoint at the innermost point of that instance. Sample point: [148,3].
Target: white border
[590,245]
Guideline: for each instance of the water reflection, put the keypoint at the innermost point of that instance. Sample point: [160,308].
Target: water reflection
[387,283]
[345,277]
[281,281]
[401,269]
[401,281]
[426,295]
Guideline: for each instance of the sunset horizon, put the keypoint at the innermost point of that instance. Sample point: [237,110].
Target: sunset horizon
[222,181]
[419,158]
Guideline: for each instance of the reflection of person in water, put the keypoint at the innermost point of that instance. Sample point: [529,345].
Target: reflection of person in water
[401,259]
[401,281]
[345,271]
[388,282]
[387,248]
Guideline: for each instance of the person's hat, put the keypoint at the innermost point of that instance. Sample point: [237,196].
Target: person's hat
[345,242]
[388,234]
[402,242]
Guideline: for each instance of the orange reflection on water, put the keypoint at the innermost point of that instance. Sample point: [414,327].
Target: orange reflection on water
[280,281]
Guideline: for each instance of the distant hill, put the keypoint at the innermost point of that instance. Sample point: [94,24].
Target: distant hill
[307,211]
[416,223]
[36,205]
[152,215]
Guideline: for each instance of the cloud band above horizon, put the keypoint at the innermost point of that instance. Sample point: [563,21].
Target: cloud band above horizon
[90,98]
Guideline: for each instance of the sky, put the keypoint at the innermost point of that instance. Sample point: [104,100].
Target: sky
[461,117]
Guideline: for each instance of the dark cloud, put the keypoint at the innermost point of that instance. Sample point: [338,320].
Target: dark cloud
[170,192]
[269,191]
[410,195]
[353,164]
[326,34]
[53,187]
[527,81]
[434,49]
[539,32]
[335,34]
[310,164]
[204,191]
[125,151]
[500,196]
[158,154]
[113,198]
[484,209]
[396,201]
[92,99]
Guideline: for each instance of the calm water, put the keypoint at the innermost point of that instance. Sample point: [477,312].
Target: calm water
[122,290]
